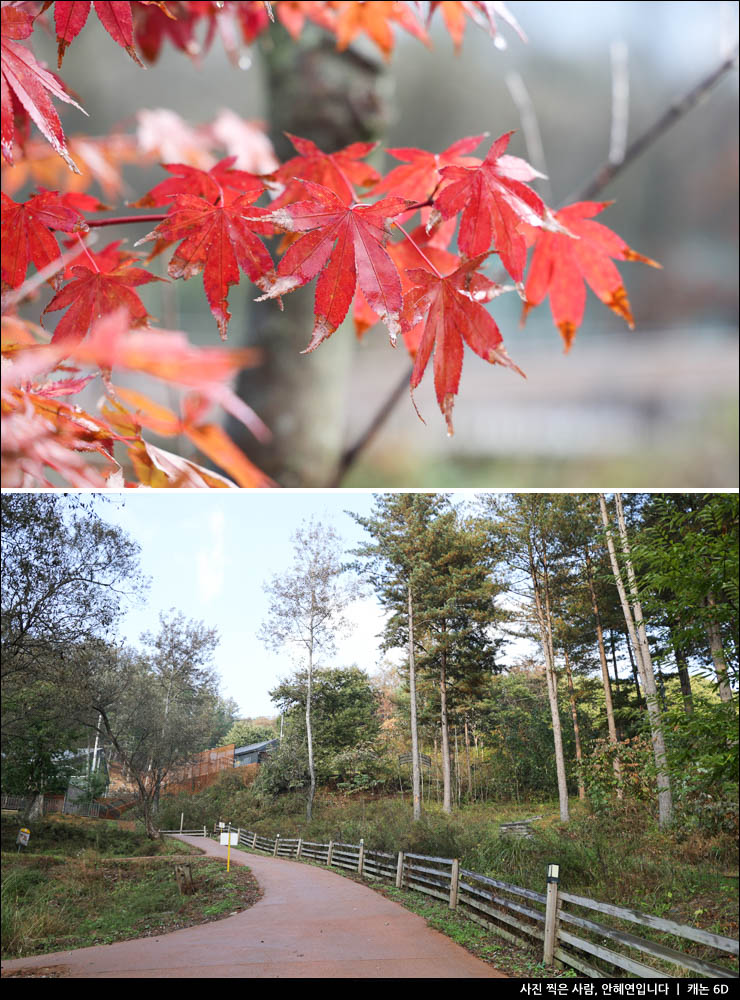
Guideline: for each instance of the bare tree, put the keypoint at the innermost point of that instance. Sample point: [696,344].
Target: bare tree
[638,638]
[306,610]
[523,524]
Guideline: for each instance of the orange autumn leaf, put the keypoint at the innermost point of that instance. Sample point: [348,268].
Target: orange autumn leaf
[563,265]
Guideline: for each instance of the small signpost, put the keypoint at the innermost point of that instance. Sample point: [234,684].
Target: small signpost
[24,835]
[228,837]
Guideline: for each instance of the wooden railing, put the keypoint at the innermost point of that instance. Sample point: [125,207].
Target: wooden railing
[554,922]
[202,832]
[53,804]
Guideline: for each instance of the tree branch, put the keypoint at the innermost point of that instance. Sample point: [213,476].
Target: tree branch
[124,220]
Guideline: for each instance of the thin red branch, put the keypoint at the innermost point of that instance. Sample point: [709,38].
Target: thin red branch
[124,220]
[418,249]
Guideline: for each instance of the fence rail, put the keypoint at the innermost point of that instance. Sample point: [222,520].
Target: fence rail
[523,916]
[52,804]
[202,832]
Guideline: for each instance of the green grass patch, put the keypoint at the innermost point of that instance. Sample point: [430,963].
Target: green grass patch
[68,894]
[517,962]
[618,856]
[72,836]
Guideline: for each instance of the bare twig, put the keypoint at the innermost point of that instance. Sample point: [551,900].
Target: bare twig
[530,128]
[603,176]
[620,102]
[608,171]
[348,457]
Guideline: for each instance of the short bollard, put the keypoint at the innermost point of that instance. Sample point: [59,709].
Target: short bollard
[184,876]
[551,914]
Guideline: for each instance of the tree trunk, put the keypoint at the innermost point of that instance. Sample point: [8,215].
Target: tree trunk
[611,725]
[614,659]
[309,737]
[445,732]
[35,808]
[334,99]
[576,728]
[468,765]
[718,653]
[633,666]
[415,763]
[665,799]
[685,679]
[545,625]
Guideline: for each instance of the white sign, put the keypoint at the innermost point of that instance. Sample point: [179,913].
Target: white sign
[234,838]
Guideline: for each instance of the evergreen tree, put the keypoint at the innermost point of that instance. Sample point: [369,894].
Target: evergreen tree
[396,563]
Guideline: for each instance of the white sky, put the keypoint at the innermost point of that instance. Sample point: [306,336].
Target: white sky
[208,554]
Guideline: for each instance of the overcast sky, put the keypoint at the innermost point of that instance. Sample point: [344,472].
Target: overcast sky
[208,554]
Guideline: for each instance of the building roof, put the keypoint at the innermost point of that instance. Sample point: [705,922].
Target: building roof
[255,747]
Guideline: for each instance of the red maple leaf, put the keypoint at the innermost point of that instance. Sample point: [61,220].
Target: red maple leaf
[561,266]
[481,12]
[420,175]
[494,200]
[116,18]
[339,171]
[419,249]
[375,19]
[210,184]
[451,311]
[101,284]
[27,88]
[217,240]
[347,245]
[26,233]
[292,14]
[155,22]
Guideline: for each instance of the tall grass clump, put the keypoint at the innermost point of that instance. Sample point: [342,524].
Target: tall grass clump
[29,911]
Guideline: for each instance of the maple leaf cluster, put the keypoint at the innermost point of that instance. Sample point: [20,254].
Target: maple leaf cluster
[415,285]
[406,249]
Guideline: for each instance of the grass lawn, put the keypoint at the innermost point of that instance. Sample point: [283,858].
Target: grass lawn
[63,892]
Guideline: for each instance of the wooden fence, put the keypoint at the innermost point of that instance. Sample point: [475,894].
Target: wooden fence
[202,832]
[559,924]
[52,804]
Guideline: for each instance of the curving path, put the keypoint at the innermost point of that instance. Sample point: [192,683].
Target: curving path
[310,924]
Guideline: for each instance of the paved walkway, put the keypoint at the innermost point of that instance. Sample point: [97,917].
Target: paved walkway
[310,924]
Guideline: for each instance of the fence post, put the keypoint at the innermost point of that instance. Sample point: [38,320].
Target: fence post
[254,840]
[399,871]
[238,835]
[329,854]
[205,833]
[454,881]
[299,849]
[361,858]
[551,914]
[277,841]
[182,819]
